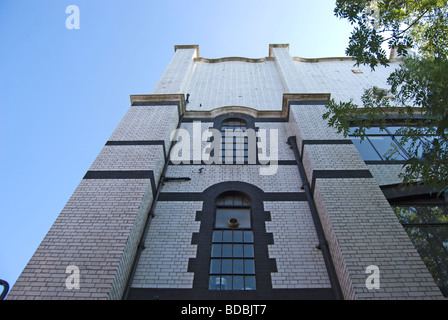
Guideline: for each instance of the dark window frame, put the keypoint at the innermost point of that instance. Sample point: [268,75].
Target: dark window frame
[385,132]
[235,266]
[219,123]
[423,226]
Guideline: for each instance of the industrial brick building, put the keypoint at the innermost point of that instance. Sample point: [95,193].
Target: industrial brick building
[313,208]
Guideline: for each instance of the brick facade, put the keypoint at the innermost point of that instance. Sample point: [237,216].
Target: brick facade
[139,226]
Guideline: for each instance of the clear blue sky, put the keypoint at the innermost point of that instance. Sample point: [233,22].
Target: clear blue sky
[63,92]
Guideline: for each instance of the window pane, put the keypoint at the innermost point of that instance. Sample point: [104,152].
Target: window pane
[376,130]
[386,147]
[227,250]
[238,201]
[422,214]
[215,266]
[226,266]
[238,267]
[248,251]
[228,201]
[214,283]
[393,130]
[237,236]
[224,214]
[238,283]
[249,266]
[226,283]
[227,236]
[248,236]
[217,236]
[216,250]
[249,282]
[237,250]
[410,147]
[431,244]
[365,149]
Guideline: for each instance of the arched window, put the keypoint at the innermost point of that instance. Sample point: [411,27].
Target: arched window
[234,141]
[232,265]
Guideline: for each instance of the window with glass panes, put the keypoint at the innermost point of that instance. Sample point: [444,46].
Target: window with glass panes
[427,227]
[234,142]
[385,144]
[232,263]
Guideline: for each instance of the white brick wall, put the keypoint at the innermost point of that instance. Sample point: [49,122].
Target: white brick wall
[100,226]
[299,263]
[286,179]
[386,174]
[359,224]
[235,83]
[164,261]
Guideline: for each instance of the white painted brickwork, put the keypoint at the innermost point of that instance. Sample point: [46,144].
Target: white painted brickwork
[286,179]
[363,231]
[386,174]
[95,232]
[125,157]
[147,123]
[164,261]
[235,83]
[99,228]
[173,78]
[337,78]
[299,263]
[284,150]
[358,222]
[331,157]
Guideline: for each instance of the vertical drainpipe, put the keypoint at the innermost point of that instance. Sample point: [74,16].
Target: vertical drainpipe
[323,244]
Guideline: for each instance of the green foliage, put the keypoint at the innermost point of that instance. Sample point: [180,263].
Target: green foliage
[401,24]
[418,87]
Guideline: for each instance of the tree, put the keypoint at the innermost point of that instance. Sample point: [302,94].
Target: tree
[418,93]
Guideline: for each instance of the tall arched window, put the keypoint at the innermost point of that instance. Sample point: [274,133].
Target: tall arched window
[232,265]
[234,141]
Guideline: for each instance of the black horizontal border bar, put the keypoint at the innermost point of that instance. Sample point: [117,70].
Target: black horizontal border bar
[339,174]
[140,174]
[188,120]
[155,103]
[136,143]
[271,163]
[285,196]
[191,294]
[307,103]
[385,162]
[180,196]
[342,141]
[198,196]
